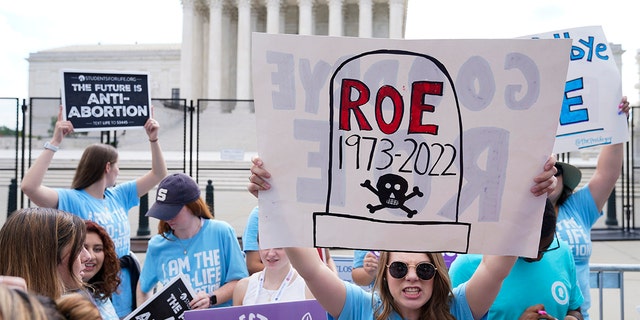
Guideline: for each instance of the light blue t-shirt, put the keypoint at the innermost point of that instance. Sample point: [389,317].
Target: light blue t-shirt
[213,258]
[107,311]
[111,213]
[250,234]
[550,281]
[358,304]
[576,217]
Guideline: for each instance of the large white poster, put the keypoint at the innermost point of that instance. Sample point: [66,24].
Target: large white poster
[405,144]
[589,117]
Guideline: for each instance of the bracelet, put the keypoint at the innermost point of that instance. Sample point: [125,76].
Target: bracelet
[49,146]
[154,140]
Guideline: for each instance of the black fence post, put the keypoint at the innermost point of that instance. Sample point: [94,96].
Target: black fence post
[612,219]
[209,196]
[12,204]
[143,221]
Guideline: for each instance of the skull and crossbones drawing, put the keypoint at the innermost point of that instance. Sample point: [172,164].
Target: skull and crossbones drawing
[392,191]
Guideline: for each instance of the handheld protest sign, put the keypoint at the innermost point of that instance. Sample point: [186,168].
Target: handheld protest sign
[170,302]
[408,145]
[593,89]
[292,310]
[105,100]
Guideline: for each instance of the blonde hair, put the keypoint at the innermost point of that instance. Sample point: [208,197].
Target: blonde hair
[16,304]
[438,305]
[75,306]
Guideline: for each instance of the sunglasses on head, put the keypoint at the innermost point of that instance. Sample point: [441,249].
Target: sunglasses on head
[424,270]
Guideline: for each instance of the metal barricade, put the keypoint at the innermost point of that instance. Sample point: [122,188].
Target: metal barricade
[610,276]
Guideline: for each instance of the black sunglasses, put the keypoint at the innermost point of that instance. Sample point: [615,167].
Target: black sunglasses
[552,246]
[424,270]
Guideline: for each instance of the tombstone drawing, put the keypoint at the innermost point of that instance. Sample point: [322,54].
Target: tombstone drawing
[395,121]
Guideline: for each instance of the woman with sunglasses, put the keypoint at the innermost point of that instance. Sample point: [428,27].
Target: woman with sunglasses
[578,210]
[408,285]
[546,282]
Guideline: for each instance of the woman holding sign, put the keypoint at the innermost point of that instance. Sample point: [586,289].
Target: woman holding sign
[578,211]
[408,285]
[95,196]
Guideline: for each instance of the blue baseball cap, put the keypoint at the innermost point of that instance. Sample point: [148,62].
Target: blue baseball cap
[174,191]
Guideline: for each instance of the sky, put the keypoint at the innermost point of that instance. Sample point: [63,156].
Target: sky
[28,26]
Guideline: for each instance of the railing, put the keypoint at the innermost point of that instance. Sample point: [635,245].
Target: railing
[610,276]
[603,276]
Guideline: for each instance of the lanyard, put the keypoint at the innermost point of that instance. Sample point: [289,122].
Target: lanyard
[284,284]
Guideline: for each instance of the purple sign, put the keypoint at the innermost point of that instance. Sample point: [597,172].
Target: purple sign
[449,257]
[292,310]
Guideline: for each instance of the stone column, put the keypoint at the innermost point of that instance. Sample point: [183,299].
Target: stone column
[273,16]
[244,50]
[186,59]
[305,17]
[197,67]
[215,50]
[335,17]
[365,20]
[396,12]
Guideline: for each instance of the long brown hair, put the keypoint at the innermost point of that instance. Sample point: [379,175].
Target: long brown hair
[32,241]
[92,164]
[198,207]
[436,308]
[106,281]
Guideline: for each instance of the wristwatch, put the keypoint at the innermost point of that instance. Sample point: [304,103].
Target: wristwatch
[213,300]
[51,147]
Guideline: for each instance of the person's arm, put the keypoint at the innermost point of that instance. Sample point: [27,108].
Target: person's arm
[239,291]
[608,168]
[574,315]
[31,184]
[141,296]
[536,312]
[254,263]
[307,293]
[14,282]
[363,276]
[324,284]
[330,263]
[158,166]
[225,293]
[484,285]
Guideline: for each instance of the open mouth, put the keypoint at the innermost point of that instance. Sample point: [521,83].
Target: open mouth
[412,292]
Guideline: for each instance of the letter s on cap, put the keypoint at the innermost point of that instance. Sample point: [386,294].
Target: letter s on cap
[162,195]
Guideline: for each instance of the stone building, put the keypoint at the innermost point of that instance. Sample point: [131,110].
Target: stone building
[214,61]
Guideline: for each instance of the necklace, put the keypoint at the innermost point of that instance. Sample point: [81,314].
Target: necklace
[184,247]
[180,243]
[283,285]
